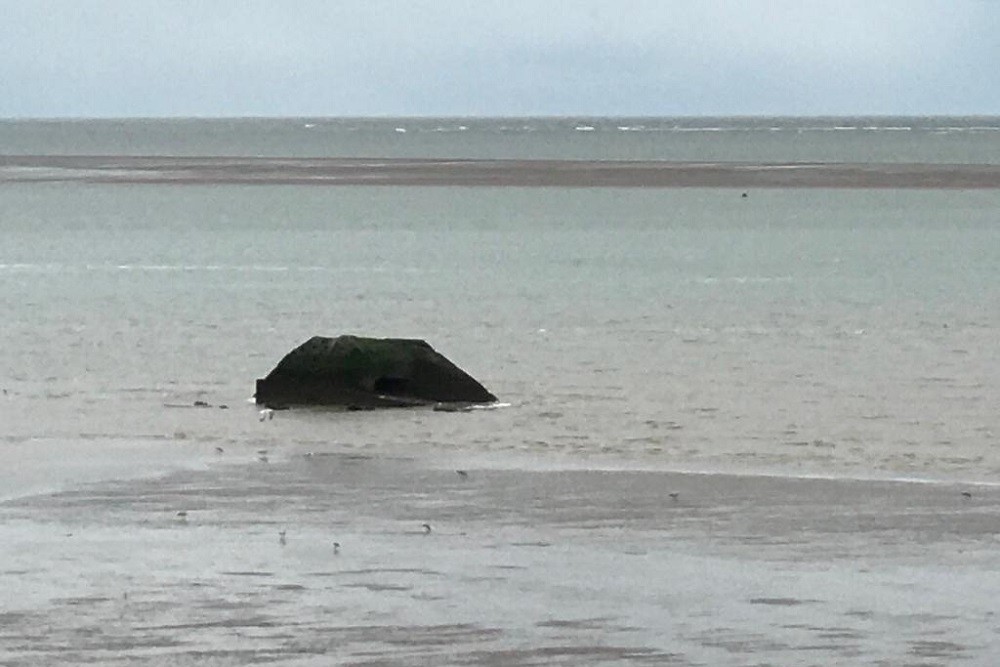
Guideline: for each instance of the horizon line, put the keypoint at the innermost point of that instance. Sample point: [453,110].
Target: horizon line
[571,116]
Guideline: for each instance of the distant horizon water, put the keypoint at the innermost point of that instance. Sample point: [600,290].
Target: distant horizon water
[893,139]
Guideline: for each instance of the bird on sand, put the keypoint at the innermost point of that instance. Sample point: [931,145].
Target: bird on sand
[281,538]
[674,495]
[266,413]
[426,527]
[966,494]
[462,474]
[336,548]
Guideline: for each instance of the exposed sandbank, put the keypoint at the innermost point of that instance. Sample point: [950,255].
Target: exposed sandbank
[479,172]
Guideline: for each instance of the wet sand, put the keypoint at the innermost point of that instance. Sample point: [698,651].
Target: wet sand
[521,567]
[478,172]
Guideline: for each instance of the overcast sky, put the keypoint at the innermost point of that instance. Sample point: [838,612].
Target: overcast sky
[84,58]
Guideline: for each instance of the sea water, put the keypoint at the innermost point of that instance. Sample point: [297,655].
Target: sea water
[842,332]
[794,332]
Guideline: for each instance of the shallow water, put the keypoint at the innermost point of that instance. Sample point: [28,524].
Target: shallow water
[805,331]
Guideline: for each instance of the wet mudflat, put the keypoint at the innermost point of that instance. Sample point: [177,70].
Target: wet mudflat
[513,567]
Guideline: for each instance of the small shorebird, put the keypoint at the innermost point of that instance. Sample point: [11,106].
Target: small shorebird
[426,527]
[219,450]
[336,548]
[266,413]
[966,494]
[281,538]
[674,495]
[182,515]
[462,474]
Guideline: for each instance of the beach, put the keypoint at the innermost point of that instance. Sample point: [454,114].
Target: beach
[520,566]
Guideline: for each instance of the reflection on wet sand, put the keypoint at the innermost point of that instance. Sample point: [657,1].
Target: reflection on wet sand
[524,567]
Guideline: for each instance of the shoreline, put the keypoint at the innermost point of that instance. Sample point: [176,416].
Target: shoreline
[121,458]
[51,467]
[126,169]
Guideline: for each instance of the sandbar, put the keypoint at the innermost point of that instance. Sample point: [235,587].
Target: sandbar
[126,169]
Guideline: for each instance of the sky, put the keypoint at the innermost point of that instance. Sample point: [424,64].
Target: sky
[155,58]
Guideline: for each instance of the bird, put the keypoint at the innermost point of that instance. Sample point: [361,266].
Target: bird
[266,413]
[281,538]
[182,515]
[426,527]
[219,450]
[462,474]
[336,548]
[966,494]
[263,458]
[674,495]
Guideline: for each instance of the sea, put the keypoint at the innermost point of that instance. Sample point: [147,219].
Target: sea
[736,424]
[844,332]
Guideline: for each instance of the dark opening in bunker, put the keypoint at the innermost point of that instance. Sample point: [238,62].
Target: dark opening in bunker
[392,386]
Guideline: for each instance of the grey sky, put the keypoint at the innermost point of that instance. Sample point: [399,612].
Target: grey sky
[497,57]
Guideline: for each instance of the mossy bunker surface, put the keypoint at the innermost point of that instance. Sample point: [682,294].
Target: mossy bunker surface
[359,372]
